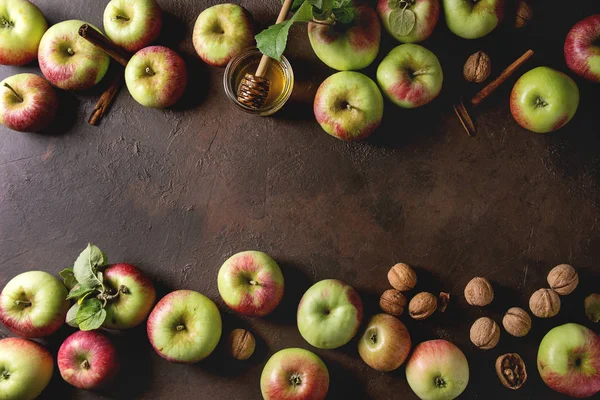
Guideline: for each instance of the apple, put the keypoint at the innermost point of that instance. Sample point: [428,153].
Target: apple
[544,100]
[294,374]
[22,26]
[329,314]
[427,13]
[410,76]
[27,103]
[437,370]
[568,360]
[87,360]
[69,61]
[222,31]
[473,19]
[348,105]
[582,48]
[136,296]
[156,77]
[133,24]
[385,344]
[33,304]
[184,327]
[25,369]
[251,283]
[350,46]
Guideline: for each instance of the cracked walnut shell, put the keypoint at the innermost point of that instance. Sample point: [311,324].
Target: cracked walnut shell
[479,292]
[563,279]
[517,322]
[402,277]
[544,303]
[485,333]
[422,305]
[511,370]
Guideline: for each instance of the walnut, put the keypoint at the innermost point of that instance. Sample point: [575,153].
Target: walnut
[477,68]
[422,305]
[402,277]
[511,370]
[517,322]
[241,344]
[524,14]
[563,279]
[544,303]
[485,333]
[392,301]
[443,301]
[479,292]
[592,307]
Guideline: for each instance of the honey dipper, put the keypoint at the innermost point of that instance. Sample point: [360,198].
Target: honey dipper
[254,89]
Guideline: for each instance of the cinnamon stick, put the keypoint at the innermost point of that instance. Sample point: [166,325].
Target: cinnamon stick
[105,44]
[492,86]
[106,100]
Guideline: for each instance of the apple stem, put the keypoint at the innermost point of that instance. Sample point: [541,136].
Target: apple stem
[26,303]
[180,327]
[17,95]
[149,71]
[6,23]
[253,282]
[118,17]
[421,71]
[85,364]
[70,51]
[5,374]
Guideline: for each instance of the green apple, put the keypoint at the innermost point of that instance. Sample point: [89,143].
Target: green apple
[544,100]
[568,360]
[426,13]
[385,344]
[410,76]
[133,24]
[184,327]
[294,374]
[350,46]
[348,105]
[329,314]
[437,370]
[473,19]
[69,61]
[33,304]
[222,31]
[22,26]
[136,296]
[156,77]
[25,369]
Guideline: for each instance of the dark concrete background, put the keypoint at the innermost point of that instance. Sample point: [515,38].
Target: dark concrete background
[178,191]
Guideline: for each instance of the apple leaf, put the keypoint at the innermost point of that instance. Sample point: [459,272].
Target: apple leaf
[402,21]
[72,315]
[90,315]
[68,278]
[396,4]
[86,266]
[80,290]
[295,5]
[272,41]
[344,11]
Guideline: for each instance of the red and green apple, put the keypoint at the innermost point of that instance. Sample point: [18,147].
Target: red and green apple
[184,327]
[87,360]
[294,374]
[22,26]
[28,103]
[544,100]
[385,344]
[582,48]
[348,105]
[251,283]
[437,370]
[133,24]
[329,314]
[426,14]
[33,304]
[473,19]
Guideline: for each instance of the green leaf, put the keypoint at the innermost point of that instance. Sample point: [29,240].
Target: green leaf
[71,315]
[273,40]
[344,15]
[90,315]
[295,5]
[79,290]
[68,278]
[86,266]
[316,3]
[396,4]
[402,21]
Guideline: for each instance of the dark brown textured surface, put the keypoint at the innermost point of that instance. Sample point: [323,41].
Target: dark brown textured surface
[178,191]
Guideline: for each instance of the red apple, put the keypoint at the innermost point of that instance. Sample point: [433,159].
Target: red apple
[251,283]
[22,26]
[87,360]
[28,103]
[294,374]
[385,344]
[582,49]
[569,360]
